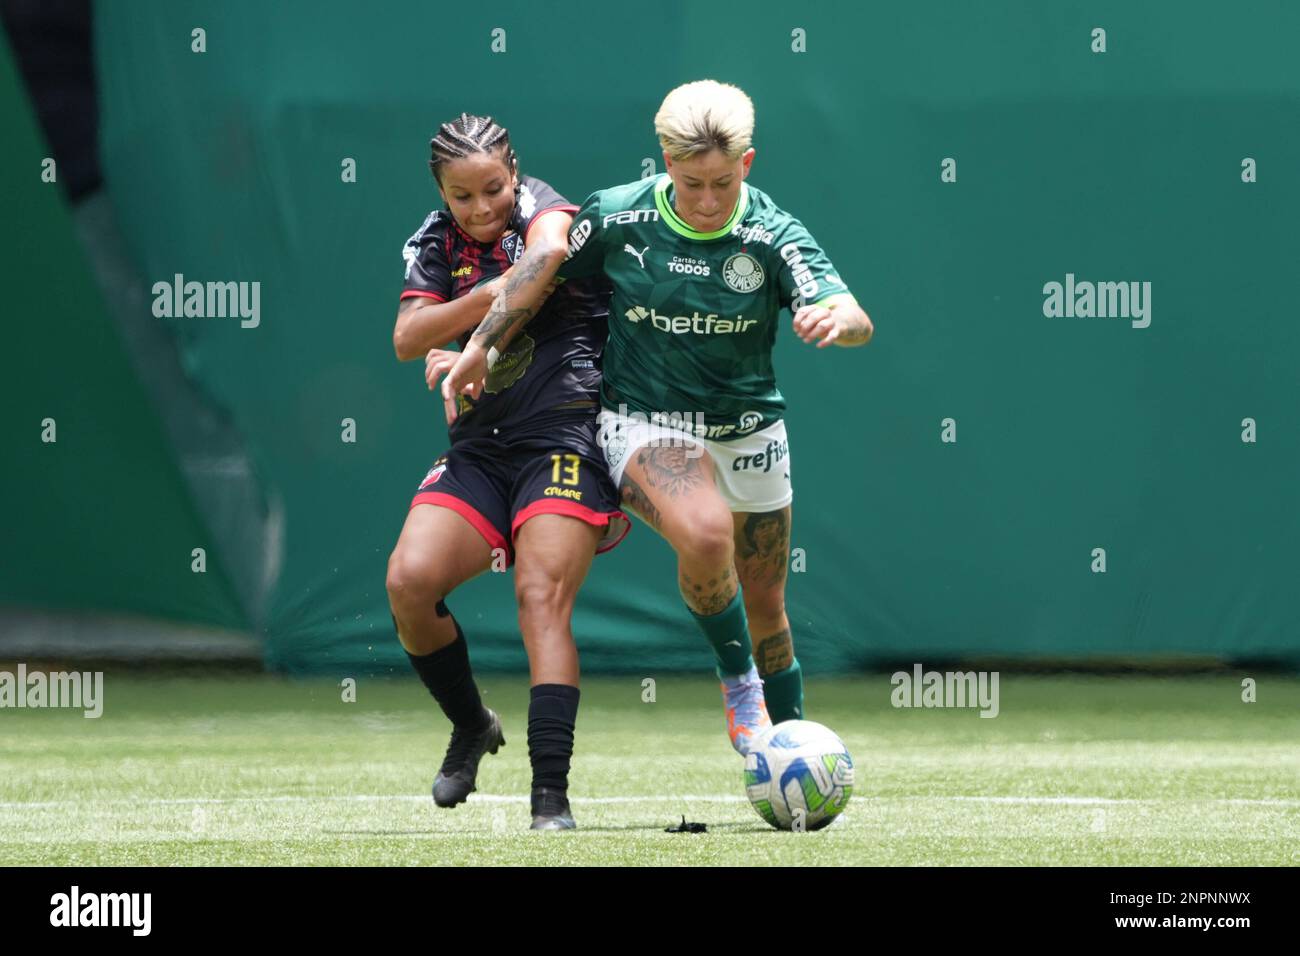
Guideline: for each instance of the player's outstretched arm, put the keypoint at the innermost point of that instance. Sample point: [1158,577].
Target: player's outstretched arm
[840,322]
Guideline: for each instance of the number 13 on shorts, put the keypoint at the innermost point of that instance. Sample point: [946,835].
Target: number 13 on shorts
[570,463]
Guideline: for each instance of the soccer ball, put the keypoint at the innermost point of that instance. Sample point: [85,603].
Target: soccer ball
[799,775]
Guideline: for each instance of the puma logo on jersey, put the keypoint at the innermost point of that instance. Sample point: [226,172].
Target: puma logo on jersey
[628,249]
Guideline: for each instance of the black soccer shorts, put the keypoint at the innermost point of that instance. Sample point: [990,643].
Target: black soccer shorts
[498,482]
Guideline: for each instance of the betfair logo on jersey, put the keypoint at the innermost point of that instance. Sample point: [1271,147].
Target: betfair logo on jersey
[698,324]
[462,271]
[632,215]
[799,271]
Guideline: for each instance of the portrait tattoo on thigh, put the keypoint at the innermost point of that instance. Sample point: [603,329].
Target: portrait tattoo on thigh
[669,468]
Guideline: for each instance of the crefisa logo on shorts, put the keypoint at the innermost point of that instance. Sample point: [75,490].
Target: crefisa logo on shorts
[774,453]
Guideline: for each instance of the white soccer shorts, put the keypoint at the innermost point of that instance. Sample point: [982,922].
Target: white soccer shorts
[751,472]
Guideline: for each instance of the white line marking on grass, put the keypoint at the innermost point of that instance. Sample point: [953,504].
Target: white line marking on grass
[353,798]
[662,798]
[1122,801]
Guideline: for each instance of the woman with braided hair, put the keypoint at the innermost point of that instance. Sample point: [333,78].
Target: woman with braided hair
[524,480]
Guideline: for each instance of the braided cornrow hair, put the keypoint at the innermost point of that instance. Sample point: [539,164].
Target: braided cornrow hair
[470,134]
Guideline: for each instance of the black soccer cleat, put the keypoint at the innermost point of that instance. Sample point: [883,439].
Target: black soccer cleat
[455,780]
[551,810]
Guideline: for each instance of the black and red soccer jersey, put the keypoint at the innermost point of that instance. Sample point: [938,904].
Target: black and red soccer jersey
[552,367]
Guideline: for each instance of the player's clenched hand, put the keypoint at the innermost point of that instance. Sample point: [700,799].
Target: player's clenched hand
[813,322]
[437,364]
[467,376]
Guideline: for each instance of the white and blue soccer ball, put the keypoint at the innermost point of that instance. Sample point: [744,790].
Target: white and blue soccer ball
[799,775]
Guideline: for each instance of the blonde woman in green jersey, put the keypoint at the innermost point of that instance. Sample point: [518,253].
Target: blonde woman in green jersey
[692,426]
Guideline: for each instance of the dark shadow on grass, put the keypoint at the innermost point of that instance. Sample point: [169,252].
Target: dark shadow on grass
[631,827]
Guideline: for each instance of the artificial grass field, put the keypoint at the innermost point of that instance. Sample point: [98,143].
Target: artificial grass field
[1076,770]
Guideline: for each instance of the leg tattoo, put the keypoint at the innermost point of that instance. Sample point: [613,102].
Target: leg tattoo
[708,597]
[634,497]
[670,469]
[761,552]
[774,653]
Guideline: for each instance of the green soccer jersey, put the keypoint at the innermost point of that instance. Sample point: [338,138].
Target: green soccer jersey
[694,314]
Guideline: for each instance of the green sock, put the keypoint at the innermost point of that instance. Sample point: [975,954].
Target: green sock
[728,634]
[784,693]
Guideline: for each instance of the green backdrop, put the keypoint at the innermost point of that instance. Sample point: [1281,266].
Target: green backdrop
[1072,433]
[99,518]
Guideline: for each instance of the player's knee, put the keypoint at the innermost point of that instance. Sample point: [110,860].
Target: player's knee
[541,599]
[706,538]
[413,582]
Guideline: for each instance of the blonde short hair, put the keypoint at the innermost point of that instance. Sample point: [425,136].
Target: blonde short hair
[704,115]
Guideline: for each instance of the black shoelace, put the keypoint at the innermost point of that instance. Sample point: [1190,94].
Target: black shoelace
[462,745]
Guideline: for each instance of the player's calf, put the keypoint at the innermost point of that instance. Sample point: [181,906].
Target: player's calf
[475,729]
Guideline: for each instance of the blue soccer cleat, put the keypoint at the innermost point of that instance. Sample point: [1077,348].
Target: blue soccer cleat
[746,707]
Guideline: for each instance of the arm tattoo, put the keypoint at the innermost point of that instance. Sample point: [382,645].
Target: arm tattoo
[855,333]
[670,468]
[500,318]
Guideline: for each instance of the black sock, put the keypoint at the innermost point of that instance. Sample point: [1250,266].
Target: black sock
[552,712]
[447,674]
